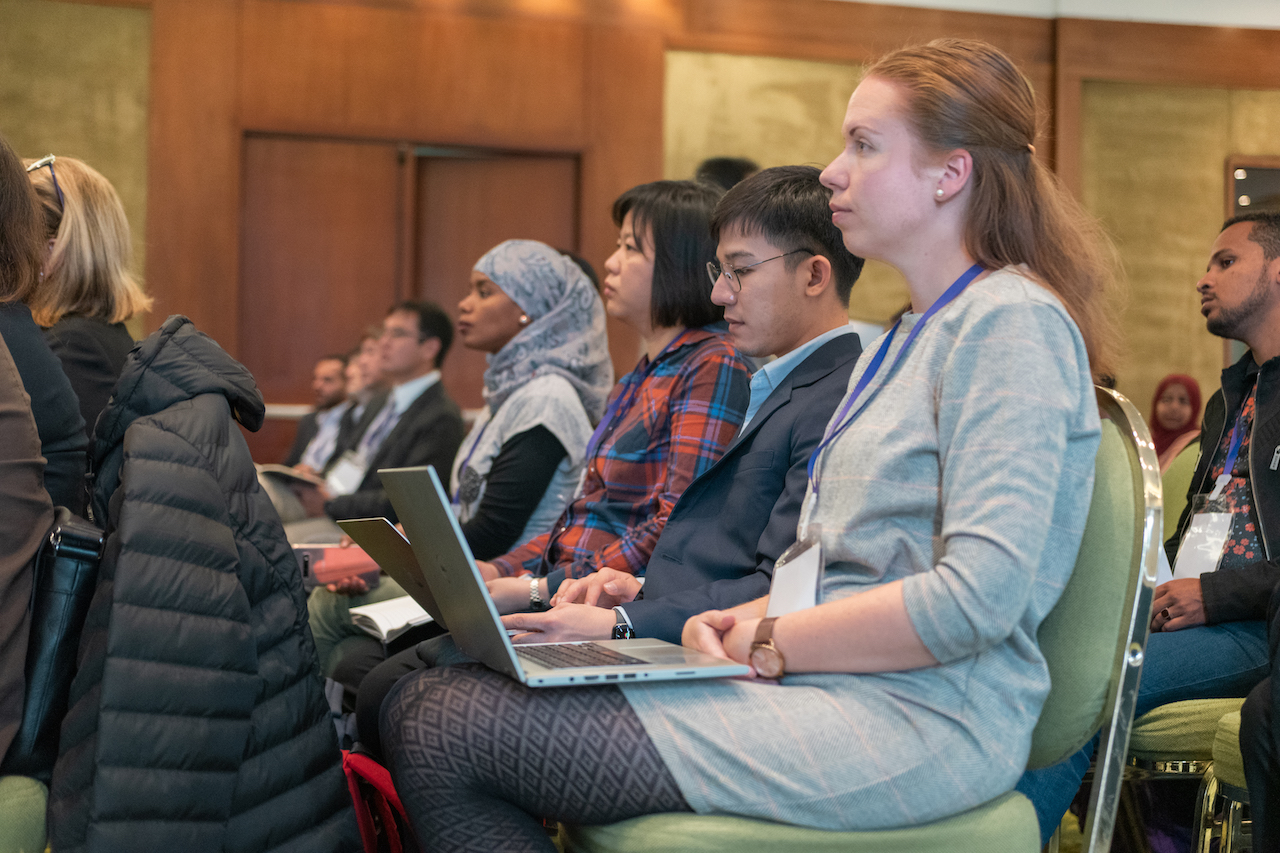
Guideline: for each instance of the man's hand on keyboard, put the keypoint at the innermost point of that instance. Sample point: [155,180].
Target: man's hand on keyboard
[562,624]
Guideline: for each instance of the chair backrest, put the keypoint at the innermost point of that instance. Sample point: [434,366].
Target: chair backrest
[1175,482]
[1094,637]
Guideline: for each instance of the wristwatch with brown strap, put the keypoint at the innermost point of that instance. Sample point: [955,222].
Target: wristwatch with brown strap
[766,658]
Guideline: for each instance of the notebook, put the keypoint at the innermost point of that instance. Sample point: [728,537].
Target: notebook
[450,571]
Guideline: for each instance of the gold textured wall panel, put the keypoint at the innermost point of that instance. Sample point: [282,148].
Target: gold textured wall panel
[74,82]
[1153,163]
[777,112]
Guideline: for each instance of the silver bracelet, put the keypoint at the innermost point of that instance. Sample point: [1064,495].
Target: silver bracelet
[535,600]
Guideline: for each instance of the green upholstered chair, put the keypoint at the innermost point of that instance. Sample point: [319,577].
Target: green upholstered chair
[22,805]
[1224,794]
[1093,640]
[1175,481]
[1176,740]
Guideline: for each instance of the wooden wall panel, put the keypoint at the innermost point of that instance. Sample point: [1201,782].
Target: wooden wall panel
[194,165]
[624,69]
[360,71]
[465,208]
[1162,54]
[319,254]
[857,32]
[319,262]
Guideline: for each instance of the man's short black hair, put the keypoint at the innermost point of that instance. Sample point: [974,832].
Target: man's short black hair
[1266,230]
[675,216]
[340,357]
[432,323]
[725,172]
[788,206]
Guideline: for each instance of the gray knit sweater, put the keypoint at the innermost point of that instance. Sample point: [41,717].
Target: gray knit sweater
[968,477]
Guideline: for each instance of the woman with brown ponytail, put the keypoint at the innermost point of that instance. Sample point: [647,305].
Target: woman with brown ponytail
[949,498]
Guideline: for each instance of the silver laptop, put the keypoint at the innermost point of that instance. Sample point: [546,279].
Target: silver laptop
[459,591]
[394,555]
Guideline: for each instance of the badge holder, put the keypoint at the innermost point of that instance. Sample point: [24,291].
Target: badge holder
[797,575]
[1206,536]
[346,474]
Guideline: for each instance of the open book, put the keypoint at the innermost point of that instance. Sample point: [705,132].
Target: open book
[388,619]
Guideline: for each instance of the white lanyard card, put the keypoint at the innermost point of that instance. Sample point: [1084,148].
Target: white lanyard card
[346,474]
[1202,546]
[797,576]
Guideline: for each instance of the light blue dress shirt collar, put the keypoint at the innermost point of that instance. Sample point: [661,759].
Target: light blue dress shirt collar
[769,377]
[404,394]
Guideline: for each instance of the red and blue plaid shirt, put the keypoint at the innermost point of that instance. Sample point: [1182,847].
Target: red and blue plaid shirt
[685,412]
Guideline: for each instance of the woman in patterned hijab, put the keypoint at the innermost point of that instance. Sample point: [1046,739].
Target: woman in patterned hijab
[538,315]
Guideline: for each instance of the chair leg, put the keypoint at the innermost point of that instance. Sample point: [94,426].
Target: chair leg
[1202,830]
[1054,840]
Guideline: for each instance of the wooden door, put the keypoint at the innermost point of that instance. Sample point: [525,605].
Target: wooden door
[320,233]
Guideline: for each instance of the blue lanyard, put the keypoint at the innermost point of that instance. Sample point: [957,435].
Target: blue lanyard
[840,424]
[457,494]
[630,392]
[1233,452]
[1237,439]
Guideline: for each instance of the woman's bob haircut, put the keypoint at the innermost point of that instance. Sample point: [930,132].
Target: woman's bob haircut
[672,222]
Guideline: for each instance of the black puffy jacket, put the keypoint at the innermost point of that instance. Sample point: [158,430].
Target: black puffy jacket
[197,719]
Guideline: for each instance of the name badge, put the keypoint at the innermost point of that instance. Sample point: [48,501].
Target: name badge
[346,474]
[797,577]
[1206,536]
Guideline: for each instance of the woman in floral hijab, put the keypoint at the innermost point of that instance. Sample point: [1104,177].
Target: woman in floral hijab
[540,318]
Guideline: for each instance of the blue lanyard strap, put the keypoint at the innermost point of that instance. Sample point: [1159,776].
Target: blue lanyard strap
[841,423]
[1237,439]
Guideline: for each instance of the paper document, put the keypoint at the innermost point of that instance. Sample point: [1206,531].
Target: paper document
[388,619]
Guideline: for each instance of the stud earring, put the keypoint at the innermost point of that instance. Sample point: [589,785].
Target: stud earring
[524,320]
[939,192]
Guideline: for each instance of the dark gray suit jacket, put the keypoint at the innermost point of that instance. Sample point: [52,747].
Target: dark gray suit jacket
[730,525]
[428,433]
[351,429]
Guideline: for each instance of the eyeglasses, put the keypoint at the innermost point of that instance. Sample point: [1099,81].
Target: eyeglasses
[397,332]
[48,161]
[714,270]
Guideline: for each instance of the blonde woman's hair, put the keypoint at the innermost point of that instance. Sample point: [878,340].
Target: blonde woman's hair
[969,95]
[87,274]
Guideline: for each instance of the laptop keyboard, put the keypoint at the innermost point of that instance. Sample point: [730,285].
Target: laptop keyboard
[575,655]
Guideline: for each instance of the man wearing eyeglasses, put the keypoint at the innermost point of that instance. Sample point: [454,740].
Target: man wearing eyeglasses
[783,276]
[418,425]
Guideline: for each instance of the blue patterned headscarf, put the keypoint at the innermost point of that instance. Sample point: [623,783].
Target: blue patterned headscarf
[567,334]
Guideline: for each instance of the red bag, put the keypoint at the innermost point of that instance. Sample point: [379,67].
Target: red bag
[384,827]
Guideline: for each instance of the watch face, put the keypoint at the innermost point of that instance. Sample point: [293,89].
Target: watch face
[767,662]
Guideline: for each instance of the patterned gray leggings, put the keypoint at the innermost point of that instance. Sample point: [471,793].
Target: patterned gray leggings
[475,756]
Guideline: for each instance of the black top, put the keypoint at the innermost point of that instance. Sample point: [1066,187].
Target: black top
[92,353]
[517,480]
[53,404]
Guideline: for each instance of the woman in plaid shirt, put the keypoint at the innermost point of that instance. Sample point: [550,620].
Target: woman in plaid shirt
[668,420]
